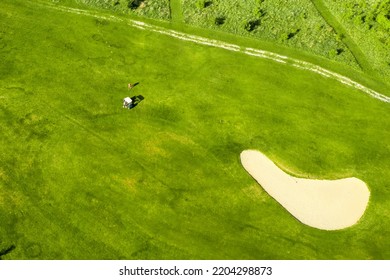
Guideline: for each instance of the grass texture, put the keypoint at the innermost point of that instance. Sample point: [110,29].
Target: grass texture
[296,24]
[83,178]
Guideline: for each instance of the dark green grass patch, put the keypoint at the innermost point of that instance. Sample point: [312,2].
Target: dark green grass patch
[83,178]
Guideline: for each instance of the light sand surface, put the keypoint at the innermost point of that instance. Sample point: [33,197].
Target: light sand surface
[323,204]
[231,47]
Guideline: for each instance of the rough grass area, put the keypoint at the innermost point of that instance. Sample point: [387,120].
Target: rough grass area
[368,24]
[294,23]
[83,178]
[158,9]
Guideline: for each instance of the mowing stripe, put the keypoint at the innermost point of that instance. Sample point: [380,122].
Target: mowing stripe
[176,11]
[231,47]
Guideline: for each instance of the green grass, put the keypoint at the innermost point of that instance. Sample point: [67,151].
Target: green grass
[176,10]
[157,9]
[82,178]
[355,33]
[295,24]
[368,25]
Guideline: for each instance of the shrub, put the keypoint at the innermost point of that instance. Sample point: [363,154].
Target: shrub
[384,20]
[259,12]
[150,8]
[340,37]
[332,53]
[252,25]
[201,4]
[220,20]
[207,3]
[134,4]
[270,21]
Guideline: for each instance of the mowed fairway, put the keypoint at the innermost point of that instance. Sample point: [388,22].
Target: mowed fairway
[83,178]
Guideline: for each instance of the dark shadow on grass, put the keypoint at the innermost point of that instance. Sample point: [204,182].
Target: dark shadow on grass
[252,25]
[207,4]
[220,20]
[135,4]
[293,33]
[136,100]
[7,251]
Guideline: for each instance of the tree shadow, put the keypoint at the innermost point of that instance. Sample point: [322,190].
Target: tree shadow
[293,33]
[7,251]
[135,4]
[136,100]
[207,4]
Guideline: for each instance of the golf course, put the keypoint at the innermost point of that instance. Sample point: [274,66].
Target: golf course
[81,177]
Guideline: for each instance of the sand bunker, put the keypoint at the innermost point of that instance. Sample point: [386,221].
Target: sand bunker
[323,204]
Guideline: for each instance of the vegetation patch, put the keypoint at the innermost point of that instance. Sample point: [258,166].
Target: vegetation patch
[289,35]
[149,8]
[83,178]
[135,4]
[368,24]
[203,4]
[275,21]
[252,25]
[220,20]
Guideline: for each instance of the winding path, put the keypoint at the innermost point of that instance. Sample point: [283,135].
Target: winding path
[227,46]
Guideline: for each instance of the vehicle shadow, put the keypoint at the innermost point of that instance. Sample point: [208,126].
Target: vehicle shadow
[136,100]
